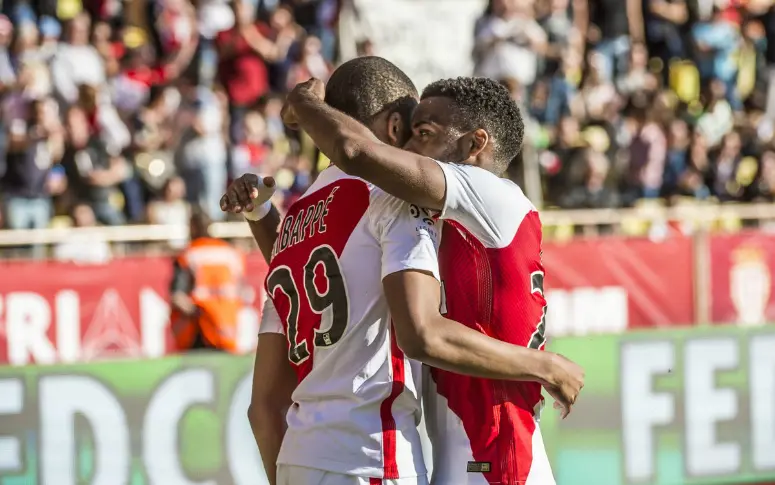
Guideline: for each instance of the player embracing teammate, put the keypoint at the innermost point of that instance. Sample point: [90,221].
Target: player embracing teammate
[422,252]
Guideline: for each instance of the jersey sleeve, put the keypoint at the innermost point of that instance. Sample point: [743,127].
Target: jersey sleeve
[270,319]
[407,235]
[488,206]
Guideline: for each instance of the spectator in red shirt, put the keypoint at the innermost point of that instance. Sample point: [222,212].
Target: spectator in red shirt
[244,50]
[310,63]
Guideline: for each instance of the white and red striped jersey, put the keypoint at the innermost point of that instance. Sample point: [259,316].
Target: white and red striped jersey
[357,404]
[485,431]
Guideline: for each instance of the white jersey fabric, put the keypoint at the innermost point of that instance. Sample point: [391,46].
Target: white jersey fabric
[295,475]
[357,404]
[490,265]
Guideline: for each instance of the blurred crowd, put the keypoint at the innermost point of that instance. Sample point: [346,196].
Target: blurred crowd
[135,112]
[118,112]
[633,101]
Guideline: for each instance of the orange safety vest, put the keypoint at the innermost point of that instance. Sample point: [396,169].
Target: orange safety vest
[218,270]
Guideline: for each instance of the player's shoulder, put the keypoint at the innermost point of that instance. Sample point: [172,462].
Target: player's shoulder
[329,181]
[470,185]
[492,208]
[484,182]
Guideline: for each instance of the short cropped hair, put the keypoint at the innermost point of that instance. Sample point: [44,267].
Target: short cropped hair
[485,104]
[367,86]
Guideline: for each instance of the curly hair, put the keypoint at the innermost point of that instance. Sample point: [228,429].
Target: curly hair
[484,103]
[366,86]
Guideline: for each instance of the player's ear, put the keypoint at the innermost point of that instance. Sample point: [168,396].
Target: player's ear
[396,129]
[477,141]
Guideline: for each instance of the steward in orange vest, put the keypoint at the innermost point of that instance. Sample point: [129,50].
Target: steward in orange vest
[206,291]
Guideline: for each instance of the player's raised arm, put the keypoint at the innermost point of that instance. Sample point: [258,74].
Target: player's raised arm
[352,147]
[273,383]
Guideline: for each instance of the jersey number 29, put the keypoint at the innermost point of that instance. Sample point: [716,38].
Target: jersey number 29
[303,321]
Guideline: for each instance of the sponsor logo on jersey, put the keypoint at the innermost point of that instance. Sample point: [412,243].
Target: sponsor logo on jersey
[479,467]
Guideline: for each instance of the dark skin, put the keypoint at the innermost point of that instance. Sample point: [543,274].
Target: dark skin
[417,178]
[411,175]
[274,379]
[241,196]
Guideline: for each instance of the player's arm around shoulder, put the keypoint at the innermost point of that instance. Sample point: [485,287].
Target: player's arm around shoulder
[410,279]
[274,381]
[426,336]
[353,148]
[411,177]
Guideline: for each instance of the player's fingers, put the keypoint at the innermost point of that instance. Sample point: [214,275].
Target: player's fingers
[288,117]
[246,194]
[269,182]
[563,408]
[234,201]
[226,203]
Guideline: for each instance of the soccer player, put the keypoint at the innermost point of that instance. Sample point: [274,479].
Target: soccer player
[490,261]
[349,262]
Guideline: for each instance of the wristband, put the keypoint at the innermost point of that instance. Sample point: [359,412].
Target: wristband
[258,212]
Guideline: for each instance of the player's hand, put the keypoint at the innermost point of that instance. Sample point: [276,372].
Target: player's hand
[565,382]
[247,192]
[310,89]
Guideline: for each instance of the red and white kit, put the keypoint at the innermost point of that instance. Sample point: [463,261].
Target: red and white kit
[485,431]
[357,404]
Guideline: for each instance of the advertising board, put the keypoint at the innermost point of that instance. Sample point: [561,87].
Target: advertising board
[694,407]
[57,312]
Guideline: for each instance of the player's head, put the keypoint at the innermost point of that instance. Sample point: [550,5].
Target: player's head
[377,93]
[467,120]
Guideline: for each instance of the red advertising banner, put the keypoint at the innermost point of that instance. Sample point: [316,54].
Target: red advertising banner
[741,272]
[614,284]
[61,312]
[58,312]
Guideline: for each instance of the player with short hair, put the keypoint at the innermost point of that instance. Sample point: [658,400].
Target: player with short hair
[354,276]
[490,260]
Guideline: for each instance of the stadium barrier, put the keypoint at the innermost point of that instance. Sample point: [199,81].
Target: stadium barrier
[664,407]
[634,221]
[61,312]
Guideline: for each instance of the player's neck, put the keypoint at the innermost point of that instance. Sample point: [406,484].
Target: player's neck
[485,164]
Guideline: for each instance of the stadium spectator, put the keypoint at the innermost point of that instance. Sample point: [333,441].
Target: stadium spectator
[310,63]
[36,145]
[171,208]
[509,42]
[93,172]
[138,108]
[76,61]
[202,152]
[244,52]
[83,248]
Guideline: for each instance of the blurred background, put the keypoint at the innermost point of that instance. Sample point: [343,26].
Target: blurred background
[650,150]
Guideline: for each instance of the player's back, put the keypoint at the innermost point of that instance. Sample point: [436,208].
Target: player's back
[485,431]
[356,407]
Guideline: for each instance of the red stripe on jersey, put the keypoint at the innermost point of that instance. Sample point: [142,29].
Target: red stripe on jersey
[375,481]
[490,290]
[326,217]
[386,408]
